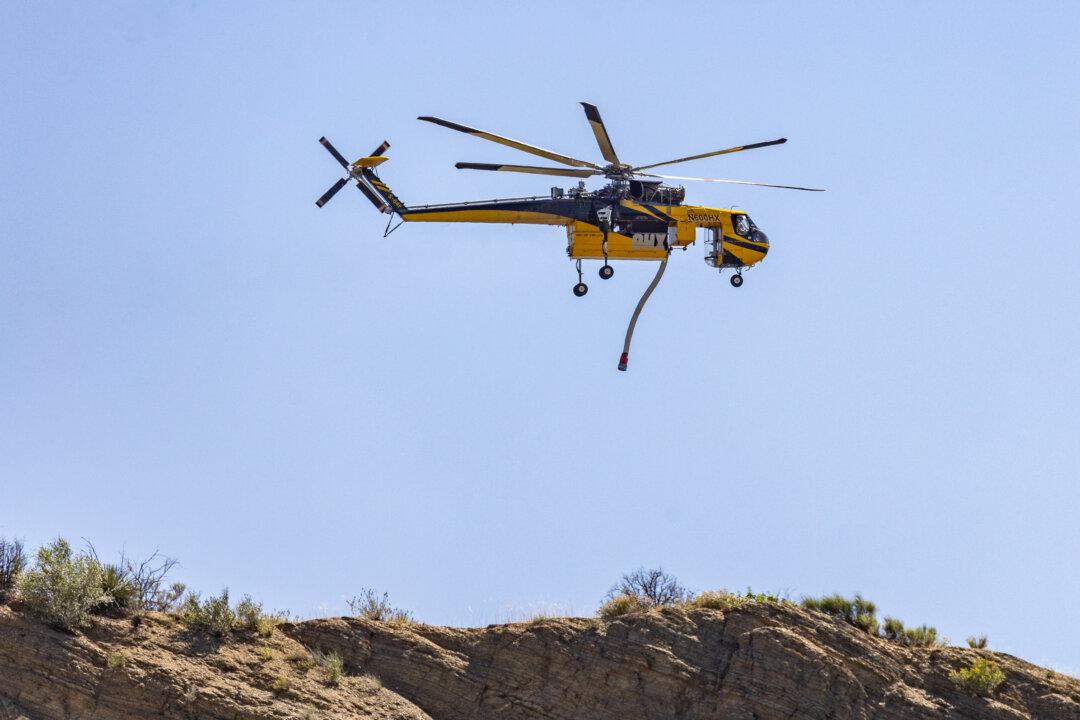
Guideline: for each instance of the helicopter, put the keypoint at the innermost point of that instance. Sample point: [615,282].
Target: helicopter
[634,216]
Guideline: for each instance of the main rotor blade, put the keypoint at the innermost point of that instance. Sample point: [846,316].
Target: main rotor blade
[516,144]
[565,172]
[738,148]
[331,192]
[333,151]
[600,131]
[734,182]
[381,149]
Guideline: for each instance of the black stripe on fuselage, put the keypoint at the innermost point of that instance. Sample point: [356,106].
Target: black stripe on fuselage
[728,240]
[659,213]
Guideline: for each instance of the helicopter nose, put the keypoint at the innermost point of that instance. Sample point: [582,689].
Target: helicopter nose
[760,237]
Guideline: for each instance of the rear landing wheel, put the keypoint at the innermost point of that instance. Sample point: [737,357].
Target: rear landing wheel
[580,289]
[736,281]
[606,271]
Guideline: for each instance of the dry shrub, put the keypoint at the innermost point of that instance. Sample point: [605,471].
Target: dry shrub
[623,605]
[718,600]
[654,586]
[369,605]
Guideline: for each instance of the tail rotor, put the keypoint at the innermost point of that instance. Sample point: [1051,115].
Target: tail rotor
[358,171]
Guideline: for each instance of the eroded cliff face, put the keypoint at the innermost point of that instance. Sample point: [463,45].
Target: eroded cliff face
[760,662]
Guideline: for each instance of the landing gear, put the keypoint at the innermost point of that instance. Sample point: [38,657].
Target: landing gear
[736,280]
[581,288]
[606,271]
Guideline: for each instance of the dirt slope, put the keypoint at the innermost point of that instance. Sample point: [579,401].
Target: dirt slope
[759,662]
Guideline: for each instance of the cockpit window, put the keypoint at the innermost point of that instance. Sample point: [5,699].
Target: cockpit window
[742,224]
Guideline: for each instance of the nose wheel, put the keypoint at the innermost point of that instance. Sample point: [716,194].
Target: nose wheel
[581,288]
[736,280]
[606,272]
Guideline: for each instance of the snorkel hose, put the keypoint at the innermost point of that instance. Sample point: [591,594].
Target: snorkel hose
[625,358]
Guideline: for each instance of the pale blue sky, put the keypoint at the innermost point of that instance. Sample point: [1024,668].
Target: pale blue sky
[195,358]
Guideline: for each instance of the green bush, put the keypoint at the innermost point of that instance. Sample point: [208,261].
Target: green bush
[857,610]
[369,605]
[213,614]
[981,678]
[623,605]
[115,659]
[763,597]
[266,624]
[977,643]
[893,629]
[121,591]
[922,636]
[63,588]
[12,565]
[248,613]
[332,665]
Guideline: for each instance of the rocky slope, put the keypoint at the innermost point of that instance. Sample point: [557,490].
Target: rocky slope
[763,661]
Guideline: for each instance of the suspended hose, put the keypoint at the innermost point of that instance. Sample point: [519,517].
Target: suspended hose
[625,359]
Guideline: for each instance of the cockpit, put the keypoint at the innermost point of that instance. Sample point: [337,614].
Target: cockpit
[736,246]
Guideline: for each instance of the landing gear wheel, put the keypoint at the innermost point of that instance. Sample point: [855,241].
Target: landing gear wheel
[736,281]
[580,289]
[606,271]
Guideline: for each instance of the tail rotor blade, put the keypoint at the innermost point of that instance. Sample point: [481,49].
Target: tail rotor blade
[333,151]
[331,192]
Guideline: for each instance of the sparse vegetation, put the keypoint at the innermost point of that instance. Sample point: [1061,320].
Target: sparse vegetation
[856,611]
[12,565]
[653,587]
[115,659]
[922,636]
[302,661]
[248,613]
[121,593]
[138,587]
[213,614]
[977,643]
[981,678]
[219,617]
[281,684]
[622,605]
[63,588]
[760,597]
[266,654]
[369,605]
[333,665]
[266,624]
[718,600]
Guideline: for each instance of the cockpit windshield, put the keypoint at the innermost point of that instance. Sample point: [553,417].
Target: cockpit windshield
[743,225]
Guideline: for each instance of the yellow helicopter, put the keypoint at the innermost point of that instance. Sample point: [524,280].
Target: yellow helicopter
[633,217]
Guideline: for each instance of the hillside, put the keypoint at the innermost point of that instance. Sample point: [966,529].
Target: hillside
[761,661]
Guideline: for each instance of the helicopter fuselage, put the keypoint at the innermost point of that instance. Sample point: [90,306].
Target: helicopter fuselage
[637,230]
